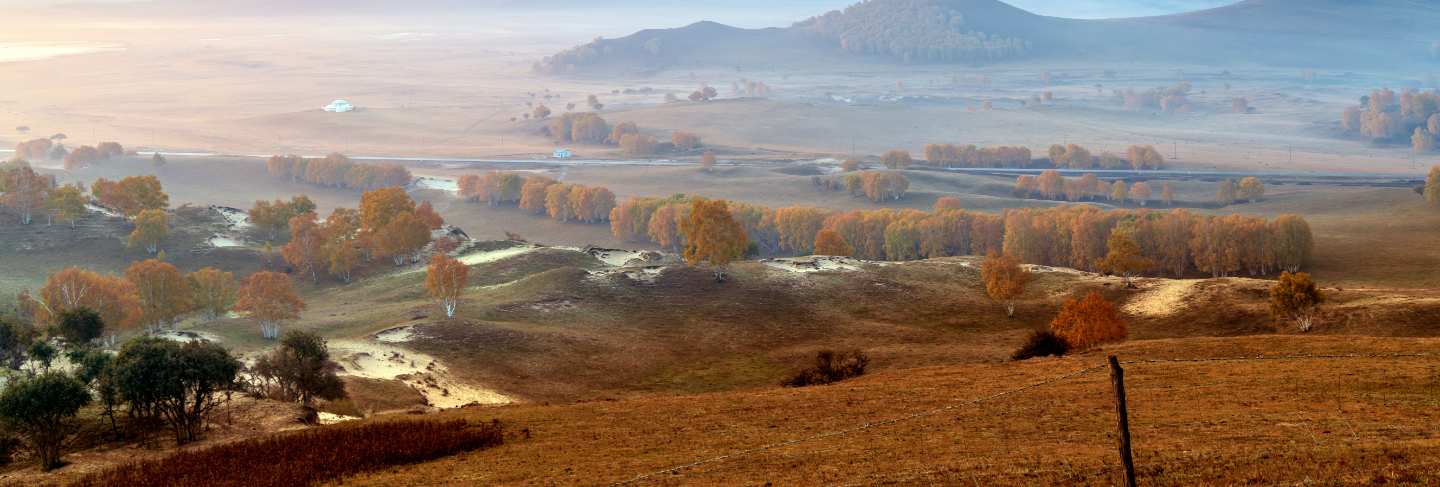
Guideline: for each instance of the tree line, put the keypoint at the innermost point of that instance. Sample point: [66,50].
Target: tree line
[1050,185]
[53,148]
[337,171]
[1178,242]
[591,128]
[539,195]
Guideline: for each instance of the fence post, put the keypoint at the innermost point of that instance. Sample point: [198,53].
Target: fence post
[1117,378]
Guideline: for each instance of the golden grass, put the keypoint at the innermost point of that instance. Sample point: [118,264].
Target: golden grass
[1273,421]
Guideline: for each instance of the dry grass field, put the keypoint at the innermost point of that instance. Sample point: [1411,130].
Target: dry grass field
[1332,421]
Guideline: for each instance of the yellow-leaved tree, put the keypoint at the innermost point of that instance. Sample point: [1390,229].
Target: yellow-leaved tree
[712,235]
[269,298]
[446,279]
[1005,279]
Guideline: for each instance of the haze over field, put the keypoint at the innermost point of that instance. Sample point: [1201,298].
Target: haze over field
[502,242]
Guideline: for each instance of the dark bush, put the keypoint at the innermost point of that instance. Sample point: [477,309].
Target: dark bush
[829,367]
[1041,343]
[309,457]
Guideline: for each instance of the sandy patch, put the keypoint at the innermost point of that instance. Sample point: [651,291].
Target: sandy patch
[221,241]
[1161,298]
[374,360]
[396,335]
[332,418]
[819,263]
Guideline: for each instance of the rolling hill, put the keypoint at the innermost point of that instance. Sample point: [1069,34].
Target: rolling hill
[1332,34]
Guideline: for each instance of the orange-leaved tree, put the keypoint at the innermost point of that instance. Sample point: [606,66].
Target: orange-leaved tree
[212,291]
[269,298]
[829,242]
[1005,279]
[1296,296]
[712,235]
[304,252]
[1089,321]
[165,295]
[446,279]
[73,288]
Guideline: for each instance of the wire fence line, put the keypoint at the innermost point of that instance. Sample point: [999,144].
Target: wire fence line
[998,395]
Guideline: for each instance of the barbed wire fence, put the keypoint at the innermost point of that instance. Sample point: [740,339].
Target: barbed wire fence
[997,396]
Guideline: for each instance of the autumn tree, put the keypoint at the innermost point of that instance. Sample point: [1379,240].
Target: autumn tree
[707,161]
[67,203]
[269,298]
[1087,322]
[305,251]
[944,203]
[1167,193]
[1144,157]
[684,141]
[532,193]
[212,292]
[1140,192]
[1005,279]
[828,242]
[638,145]
[1226,192]
[1118,192]
[1422,141]
[151,228]
[132,195]
[712,235]
[1251,189]
[1291,242]
[1296,297]
[896,159]
[71,288]
[446,280]
[22,190]
[165,295]
[1124,257]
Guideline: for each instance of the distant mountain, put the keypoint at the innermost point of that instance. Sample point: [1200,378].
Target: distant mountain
[1304,33]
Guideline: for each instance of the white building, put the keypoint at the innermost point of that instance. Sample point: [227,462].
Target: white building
[562,154]
[339,106]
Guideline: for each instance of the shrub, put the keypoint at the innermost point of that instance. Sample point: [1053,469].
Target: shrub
[830,367]
[1087,322]
[1041,343]
[308,457]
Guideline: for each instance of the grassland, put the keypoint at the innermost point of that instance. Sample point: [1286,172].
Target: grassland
[1333,421]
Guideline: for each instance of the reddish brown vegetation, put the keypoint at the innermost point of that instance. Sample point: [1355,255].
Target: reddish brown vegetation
[307,457]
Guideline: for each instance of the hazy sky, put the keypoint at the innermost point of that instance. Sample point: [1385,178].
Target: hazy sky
[785,9]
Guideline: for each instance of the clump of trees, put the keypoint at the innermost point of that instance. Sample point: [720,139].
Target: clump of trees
[130,196]
[337,171]
[1384,116]
[876,186]
[540,195]
[713,236]
[270,299]
[23,192]
[949,155]
[934,33]
[1170,99]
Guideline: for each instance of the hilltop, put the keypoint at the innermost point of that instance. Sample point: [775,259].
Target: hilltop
[1329,33]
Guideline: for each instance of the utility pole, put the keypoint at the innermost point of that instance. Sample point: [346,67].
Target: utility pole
[1117,379]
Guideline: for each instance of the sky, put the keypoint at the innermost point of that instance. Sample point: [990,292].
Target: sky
[782,12]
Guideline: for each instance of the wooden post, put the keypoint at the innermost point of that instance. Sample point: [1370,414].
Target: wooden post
[1117,378]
